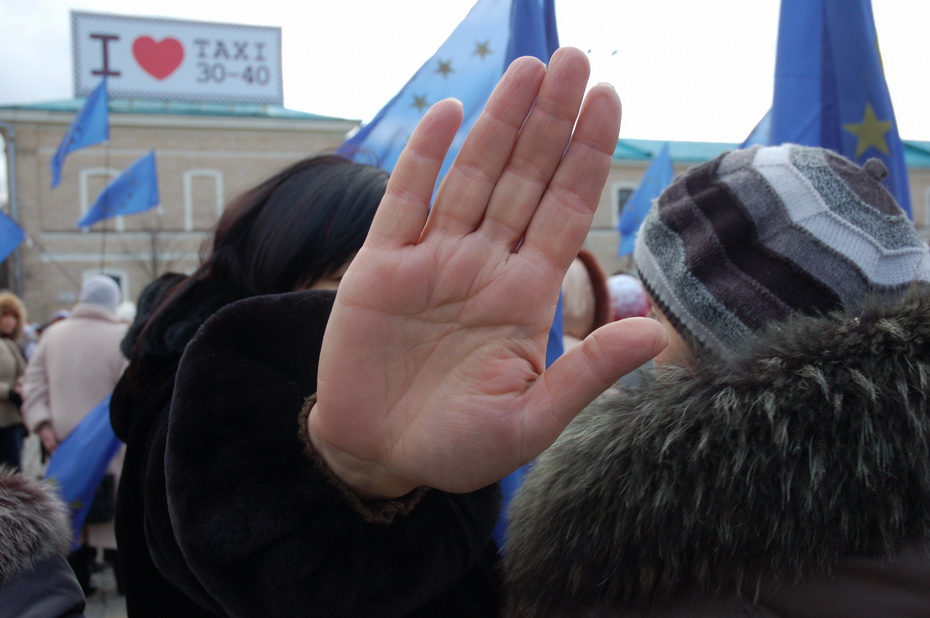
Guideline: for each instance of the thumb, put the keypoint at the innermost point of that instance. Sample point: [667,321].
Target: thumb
[588,369]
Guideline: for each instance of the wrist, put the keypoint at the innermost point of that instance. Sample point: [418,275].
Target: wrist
[368,480]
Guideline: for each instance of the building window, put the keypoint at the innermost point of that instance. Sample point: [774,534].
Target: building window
[203,199]
[621,193]
[92,183]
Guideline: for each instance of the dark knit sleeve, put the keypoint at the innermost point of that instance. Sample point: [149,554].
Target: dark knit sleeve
[262,527]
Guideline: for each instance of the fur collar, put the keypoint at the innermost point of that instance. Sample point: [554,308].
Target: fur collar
[173,308]
[810,446]
[172,311]
[34,524]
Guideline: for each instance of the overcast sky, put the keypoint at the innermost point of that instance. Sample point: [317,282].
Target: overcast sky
[685,69]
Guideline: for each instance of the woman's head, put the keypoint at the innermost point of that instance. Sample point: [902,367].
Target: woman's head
[292,231]
[12,315]
[758,235]
[296,228]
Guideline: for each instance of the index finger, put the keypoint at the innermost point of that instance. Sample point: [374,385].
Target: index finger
[404,208]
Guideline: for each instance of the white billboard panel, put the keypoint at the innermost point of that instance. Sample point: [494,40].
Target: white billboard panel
[168,59]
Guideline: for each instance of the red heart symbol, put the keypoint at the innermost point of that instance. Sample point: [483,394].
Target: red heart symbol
[159,59]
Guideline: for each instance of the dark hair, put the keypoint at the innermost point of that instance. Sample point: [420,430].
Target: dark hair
[295,227]
[285,233]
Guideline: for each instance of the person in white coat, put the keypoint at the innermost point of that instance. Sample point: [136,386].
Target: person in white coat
[75,365]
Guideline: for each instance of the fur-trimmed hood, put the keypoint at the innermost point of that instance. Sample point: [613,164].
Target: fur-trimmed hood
[809,447]
[34,524]
[156,339]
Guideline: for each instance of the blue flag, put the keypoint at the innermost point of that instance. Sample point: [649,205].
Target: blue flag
[11,235]
[80,462]
[467,66]
[91,126]
[532,31]
[658,175]
[830,88]
[135,190]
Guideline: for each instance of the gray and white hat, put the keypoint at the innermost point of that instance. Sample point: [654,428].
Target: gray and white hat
[758,234]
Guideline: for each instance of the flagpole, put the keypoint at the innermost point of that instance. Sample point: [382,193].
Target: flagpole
[106,222]
[155,242]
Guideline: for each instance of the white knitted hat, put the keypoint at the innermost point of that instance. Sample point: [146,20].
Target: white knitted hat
[102,291]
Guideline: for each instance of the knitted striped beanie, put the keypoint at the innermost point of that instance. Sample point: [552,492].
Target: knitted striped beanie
[758,234]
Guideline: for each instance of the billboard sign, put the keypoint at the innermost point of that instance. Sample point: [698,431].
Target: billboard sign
[175,60]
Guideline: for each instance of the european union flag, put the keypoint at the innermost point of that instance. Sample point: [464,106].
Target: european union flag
[135,190]
[11,235]
[80,462]
[830,88]
[91,126]
[658,175]
[467,67]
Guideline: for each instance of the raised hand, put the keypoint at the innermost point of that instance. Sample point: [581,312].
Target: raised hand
[432,368]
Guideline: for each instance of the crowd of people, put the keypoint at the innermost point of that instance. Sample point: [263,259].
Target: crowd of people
[51,383]
[739,427]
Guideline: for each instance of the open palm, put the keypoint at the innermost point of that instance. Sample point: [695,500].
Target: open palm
[432,369]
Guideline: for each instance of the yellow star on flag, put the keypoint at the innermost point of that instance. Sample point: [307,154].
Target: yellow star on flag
[420,102]
[871,132]
[445,67]
[482,48]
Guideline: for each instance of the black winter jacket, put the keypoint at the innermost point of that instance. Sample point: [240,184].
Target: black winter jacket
[225,510]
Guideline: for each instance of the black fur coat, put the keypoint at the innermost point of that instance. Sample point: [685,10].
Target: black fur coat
[792,480]
[224,509]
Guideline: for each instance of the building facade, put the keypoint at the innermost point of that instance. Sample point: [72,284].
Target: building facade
[205,155]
